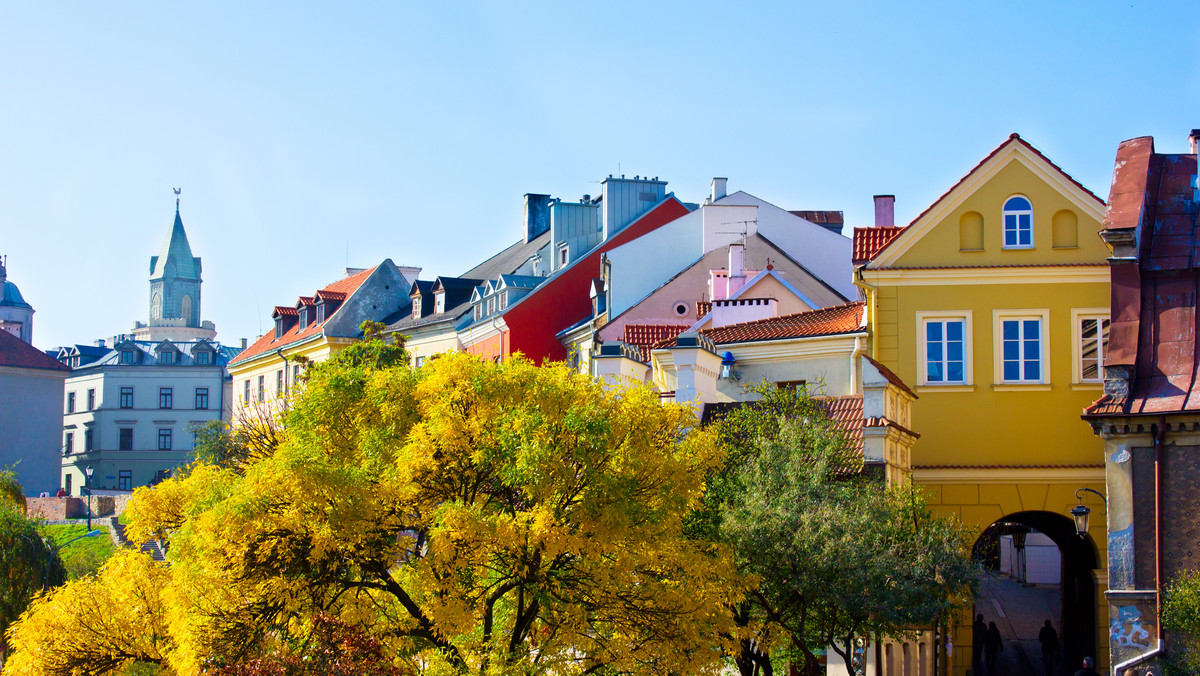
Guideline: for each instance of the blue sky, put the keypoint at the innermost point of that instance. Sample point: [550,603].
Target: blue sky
[311,135]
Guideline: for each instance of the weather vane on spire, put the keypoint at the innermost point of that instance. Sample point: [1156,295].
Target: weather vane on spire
[177,191]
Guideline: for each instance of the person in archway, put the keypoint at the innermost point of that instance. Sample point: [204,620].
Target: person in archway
[978,638]
[1087,669]
[1049,640]
[992,646]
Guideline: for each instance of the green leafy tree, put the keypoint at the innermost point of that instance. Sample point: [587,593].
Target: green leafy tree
[837,556]
[27,563]
[1181,617]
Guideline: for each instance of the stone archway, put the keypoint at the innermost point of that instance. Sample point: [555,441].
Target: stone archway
[1078,559]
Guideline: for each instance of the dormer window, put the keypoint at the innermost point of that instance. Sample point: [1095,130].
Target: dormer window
[417,307]
[166,357]
[320,312]
[503,299]
[563,255]
[478,311]
[279,328]
[202,357]
[127,356]
[439,302]
[491,307]
[303,315]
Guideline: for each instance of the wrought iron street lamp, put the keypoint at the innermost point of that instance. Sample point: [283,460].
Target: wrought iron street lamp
[1081,513]
[88,484]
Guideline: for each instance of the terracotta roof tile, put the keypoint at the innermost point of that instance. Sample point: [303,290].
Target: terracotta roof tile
[285,311]
[17,353]
[703,307]
[306,300]
[846,318]
[645,336]
[847,414]
[335,291]
[869,242]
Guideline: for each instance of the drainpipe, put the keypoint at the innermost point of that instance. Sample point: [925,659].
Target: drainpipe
[869,292]
[855,378]
[1159,434]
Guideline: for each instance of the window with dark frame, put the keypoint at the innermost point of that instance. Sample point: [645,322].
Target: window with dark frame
[88,436]
[246,393]
[202,357]
[126,397]
[125,442]
[262,388]
[164,439]
[125,480]
[202,398]
[70,402]
[166,398]
[70,444]
[91,399]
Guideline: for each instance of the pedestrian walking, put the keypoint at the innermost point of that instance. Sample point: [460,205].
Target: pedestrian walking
[978,638]
[1049,640]
[1087,669]
[992,646]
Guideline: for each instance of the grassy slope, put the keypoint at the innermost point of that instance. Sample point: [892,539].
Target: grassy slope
[82,557]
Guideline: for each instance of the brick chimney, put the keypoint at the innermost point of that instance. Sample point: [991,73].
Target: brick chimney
[885,211]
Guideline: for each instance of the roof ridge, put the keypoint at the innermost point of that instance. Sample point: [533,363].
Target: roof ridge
[780,318]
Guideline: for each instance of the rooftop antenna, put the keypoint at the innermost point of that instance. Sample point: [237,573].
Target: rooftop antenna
[177,191]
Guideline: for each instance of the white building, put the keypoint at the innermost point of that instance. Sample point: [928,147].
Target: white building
[131,409]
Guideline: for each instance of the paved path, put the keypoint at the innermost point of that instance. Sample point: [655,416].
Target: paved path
[1019,612]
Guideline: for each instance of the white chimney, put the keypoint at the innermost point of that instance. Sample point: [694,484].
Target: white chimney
[718,188]
[1193,138]
[885,211]
[737,268]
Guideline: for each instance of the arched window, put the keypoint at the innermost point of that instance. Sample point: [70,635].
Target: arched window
[185,308]
[1018,223]
[155,306]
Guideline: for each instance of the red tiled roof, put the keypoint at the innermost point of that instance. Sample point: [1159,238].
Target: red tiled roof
[335,291]
[868,242]
[891,376]
[306,300]
[703,307]
[285,310]
[829,321]
[846,413]
[17,353]
[644,336]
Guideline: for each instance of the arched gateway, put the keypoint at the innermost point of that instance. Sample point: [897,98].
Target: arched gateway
[1020,573]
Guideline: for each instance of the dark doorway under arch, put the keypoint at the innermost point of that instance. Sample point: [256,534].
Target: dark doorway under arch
[1078,559]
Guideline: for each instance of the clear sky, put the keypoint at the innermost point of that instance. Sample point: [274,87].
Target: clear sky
[309,135]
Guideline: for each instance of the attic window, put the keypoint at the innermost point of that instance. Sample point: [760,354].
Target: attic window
[278,328]
[479,311]
[681,309]
[563,255]
[417,303]
[202,357]
[1018,223]
[503,299]
[126,356]
[439,302]
[166,357]
[303,315]
[320,312]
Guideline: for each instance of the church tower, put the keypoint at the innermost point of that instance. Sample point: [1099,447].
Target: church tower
[175,291]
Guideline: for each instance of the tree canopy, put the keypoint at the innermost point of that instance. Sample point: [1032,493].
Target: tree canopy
[27,563]
[467,517]
[837,555]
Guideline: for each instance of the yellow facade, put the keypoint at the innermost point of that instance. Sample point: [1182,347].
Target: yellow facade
[276,373]
[997,441]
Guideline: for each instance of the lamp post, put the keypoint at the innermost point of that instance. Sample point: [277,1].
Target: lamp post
[1081,513]
[88,484]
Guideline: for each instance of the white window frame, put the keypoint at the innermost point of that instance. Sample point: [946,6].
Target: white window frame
[1078,315]
[926,316]
[998,319]
[416,307]
[439,302]
[1004,214]
[564,255]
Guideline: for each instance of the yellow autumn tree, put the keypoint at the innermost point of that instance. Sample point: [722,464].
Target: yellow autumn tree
[473,517]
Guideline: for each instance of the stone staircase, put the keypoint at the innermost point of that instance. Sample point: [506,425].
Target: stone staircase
[151,547]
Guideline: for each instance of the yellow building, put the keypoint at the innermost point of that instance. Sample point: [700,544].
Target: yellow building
[314,328]
[993,305]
